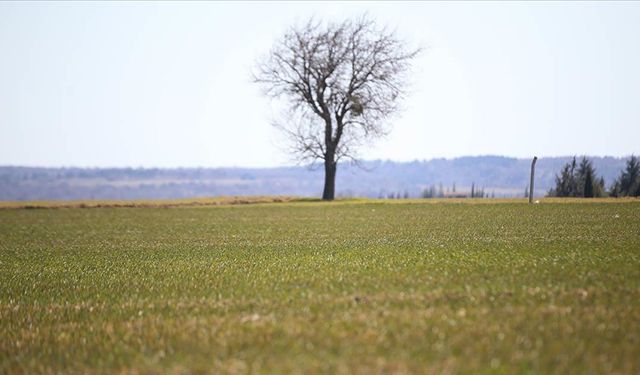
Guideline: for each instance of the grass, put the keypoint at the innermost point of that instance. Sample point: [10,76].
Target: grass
[167,203]
[353,286]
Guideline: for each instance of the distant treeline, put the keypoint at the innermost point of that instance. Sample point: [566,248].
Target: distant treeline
[486,175]
[581,180]
[440,192]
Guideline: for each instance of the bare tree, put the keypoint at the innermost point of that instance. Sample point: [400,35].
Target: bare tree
[341,82]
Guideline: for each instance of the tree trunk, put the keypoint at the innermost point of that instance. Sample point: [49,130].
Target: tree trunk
[329,180]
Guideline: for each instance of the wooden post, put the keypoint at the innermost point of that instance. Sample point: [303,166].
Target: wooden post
[533,170]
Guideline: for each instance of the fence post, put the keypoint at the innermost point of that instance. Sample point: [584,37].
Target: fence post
[533,170]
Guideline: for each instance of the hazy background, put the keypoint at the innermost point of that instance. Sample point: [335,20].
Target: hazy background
[168,84]
[495,176]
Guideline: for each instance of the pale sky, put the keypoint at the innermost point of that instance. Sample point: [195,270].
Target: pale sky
[102,84]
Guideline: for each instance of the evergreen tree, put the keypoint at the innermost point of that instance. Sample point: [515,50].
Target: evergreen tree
[578,180]
[573,181]
[630,178]
[628,183]
[581,176]
[588,184]
[429,192]
[585,179]
[599,190]
[565,181]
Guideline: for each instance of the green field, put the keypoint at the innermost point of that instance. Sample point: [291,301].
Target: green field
[354,286]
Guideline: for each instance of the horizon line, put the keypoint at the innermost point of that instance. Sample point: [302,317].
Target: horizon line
[308,165]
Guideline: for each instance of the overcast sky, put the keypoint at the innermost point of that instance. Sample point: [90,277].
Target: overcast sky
[169,84]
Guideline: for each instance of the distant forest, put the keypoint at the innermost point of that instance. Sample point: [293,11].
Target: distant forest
[495,176]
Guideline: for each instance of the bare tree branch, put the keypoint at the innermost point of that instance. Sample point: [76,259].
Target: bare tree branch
[342,82]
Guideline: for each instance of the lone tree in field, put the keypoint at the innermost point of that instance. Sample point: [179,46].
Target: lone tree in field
[341,82]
